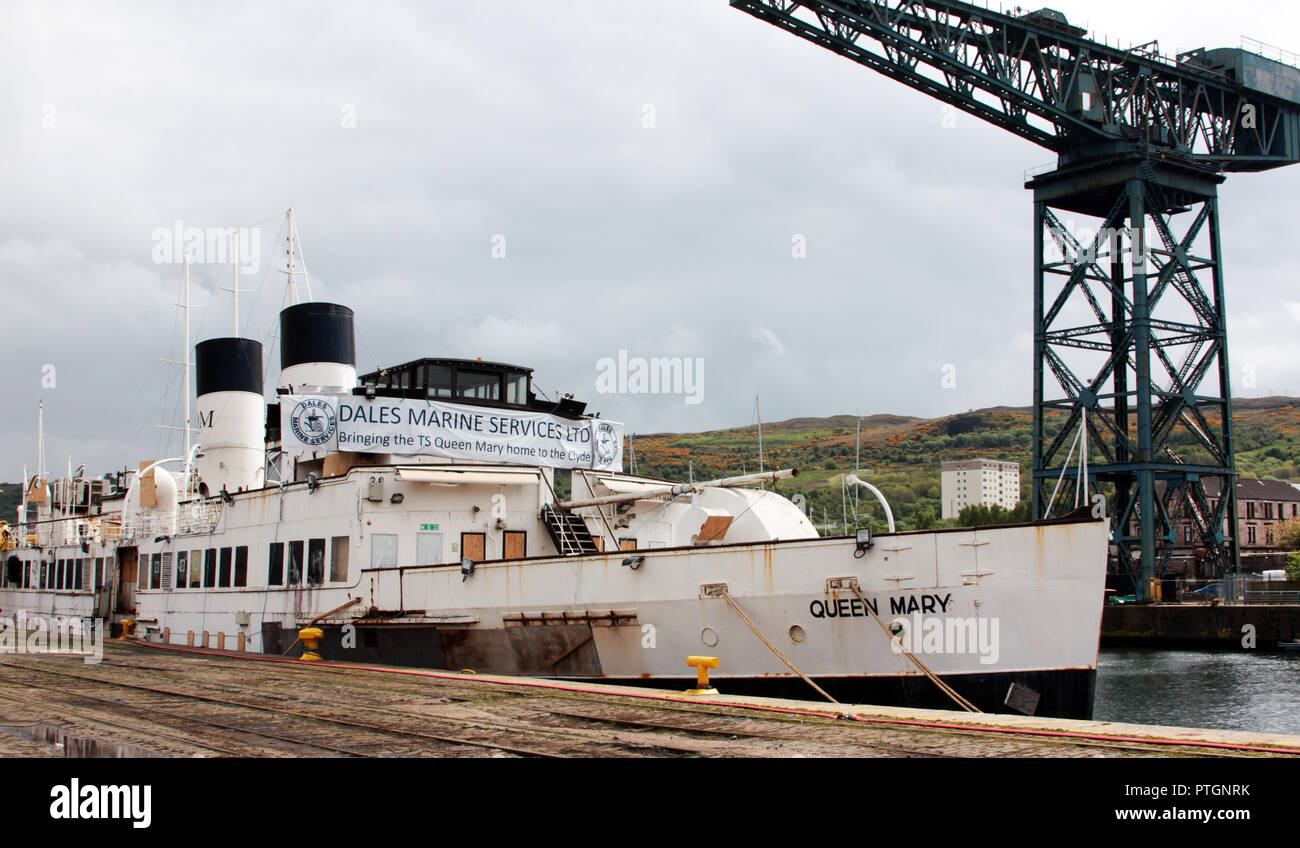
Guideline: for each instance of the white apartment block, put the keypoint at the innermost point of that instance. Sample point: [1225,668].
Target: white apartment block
[985,481]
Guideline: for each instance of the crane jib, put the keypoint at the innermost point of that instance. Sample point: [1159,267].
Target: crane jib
[1039,77]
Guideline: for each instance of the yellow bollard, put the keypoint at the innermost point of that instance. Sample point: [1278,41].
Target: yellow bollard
[205,638]
[311,637]
[189,639]
[242,642]
[702,666]
[221,641]
[167,635]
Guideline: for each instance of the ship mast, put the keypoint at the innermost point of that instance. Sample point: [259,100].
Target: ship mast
[186,364]
[22,525]
[234,282]
[293,285]
[40,439]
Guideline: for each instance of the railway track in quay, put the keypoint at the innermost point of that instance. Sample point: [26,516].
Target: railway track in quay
[188,704]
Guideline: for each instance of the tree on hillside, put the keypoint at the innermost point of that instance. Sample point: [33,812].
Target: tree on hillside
[1288,534]
[983,515]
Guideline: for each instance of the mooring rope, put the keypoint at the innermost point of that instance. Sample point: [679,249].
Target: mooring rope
[740,612]
[938,681]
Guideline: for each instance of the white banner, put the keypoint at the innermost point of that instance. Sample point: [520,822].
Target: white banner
[458,431]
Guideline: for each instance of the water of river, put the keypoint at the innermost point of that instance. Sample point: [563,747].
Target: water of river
[1230,690]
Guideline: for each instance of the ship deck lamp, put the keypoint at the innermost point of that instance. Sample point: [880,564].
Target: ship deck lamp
[864,542]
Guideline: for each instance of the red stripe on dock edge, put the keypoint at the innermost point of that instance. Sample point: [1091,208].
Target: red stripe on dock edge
[541,684]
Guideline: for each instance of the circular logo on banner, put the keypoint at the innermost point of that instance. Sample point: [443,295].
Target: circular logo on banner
[313,421]
[606,443]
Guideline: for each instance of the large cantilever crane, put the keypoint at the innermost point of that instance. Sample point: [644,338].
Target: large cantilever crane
[1128,314]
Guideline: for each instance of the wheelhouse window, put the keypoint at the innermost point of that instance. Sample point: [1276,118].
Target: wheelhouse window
[209,568]
[196,559]
[483,381]
[485,385]
[155,571]
[517,389]
[182,569]
[438,381]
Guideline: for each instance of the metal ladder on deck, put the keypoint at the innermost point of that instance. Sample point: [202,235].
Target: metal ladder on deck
[569,532]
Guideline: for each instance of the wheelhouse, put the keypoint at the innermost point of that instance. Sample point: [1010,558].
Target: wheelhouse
[465,380]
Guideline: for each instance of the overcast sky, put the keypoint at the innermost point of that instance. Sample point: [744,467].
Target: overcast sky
[644,166]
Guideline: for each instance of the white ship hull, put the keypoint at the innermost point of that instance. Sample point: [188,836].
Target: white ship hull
[418,522]
[982,608]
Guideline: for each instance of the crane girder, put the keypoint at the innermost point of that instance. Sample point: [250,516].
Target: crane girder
[1042,79]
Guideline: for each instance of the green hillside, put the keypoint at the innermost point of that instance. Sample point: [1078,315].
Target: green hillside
[10,498]
[901,455]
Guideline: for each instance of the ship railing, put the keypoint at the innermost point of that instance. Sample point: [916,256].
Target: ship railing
[199,516]
[64,530]
[192,517]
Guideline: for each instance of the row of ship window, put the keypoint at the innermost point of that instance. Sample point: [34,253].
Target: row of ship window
[60,575]
[222,568]
[199,569]
[289,563]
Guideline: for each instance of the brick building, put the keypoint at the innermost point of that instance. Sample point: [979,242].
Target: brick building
[1261,506]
